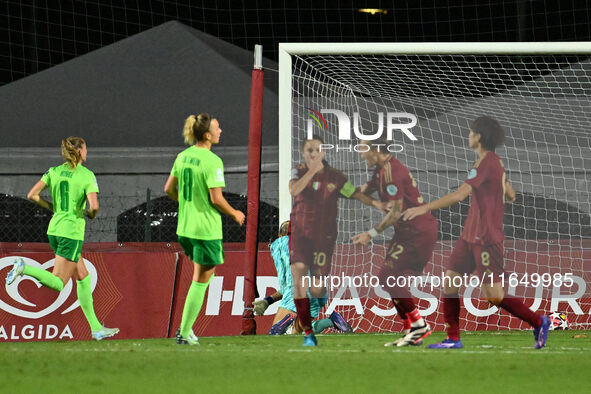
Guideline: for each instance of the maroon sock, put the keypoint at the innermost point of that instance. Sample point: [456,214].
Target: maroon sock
[399,310]
[403,301]
[451,313]
[303,310]
[404,306]
[407,324]
[518,308]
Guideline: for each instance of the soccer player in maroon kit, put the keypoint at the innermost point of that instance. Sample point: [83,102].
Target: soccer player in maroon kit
[480,247]
[316,188]
[413,241]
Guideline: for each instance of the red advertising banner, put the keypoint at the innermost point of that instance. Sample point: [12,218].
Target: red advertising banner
[132,290]
[222,309]
[141,288]
[548,276]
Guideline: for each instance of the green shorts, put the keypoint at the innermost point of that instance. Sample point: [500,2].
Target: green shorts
[67,248]
[205,252]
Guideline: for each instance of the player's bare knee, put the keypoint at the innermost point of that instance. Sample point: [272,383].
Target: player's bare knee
[64,279]
[449,285]
[494,293]
[202,273]
[299,269]
[318,292]
[451,291]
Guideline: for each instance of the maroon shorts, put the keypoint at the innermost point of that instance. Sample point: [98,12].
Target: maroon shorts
[315,252]
[407,256]
[467,258]
[411,253]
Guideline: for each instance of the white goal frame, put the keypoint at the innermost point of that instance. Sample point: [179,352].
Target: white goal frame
[286,50]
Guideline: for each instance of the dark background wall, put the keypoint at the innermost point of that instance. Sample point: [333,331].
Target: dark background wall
[37,34]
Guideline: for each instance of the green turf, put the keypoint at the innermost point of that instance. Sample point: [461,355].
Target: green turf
[359,363]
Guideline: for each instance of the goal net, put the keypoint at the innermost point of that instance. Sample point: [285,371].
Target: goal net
[426,96]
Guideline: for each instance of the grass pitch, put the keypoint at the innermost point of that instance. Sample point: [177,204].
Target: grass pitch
[490,362]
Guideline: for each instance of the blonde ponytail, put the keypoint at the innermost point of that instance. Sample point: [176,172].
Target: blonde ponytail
[196,127]
[188,130]
[71,150]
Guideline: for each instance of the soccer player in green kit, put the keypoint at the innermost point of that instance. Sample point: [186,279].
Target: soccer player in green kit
[196,182]
[71,184]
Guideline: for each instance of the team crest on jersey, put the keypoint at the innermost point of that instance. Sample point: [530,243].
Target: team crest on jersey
[316,185]
[472,174]
[392,190]
[331,187]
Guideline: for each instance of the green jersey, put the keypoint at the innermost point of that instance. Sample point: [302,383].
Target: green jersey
[69,188]
[198,170]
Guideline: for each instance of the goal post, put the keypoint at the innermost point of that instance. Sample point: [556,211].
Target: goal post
[253,193]
[540,92]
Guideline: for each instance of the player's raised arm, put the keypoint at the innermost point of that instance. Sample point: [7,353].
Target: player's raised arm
[315,164]
[363,194]
[392,216]
[367,200]
[450,199]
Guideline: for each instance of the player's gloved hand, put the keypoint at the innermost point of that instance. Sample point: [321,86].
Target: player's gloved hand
[260,307]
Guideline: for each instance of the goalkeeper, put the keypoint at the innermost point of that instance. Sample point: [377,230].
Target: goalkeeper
[286,314]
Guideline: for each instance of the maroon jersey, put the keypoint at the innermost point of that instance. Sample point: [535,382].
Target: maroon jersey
[314,210]
[394,181]
[484,224]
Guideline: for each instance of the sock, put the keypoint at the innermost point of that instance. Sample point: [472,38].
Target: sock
[518,308]
[451,312]
[405,320]
[192,307]
[85,298]
[320,325]
[404,306]
[415,318]
[303,310]
[407,324]
[47,279]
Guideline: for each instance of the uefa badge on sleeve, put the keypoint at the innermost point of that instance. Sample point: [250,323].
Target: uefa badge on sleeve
[219,175]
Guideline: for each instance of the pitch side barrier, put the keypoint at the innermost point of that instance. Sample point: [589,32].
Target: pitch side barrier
[141,288]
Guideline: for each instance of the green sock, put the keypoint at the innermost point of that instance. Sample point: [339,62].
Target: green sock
[47,279]
[320,325]
[85,298]
[193,305]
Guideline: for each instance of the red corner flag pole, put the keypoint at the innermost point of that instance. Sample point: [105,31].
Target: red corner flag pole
[254,186]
